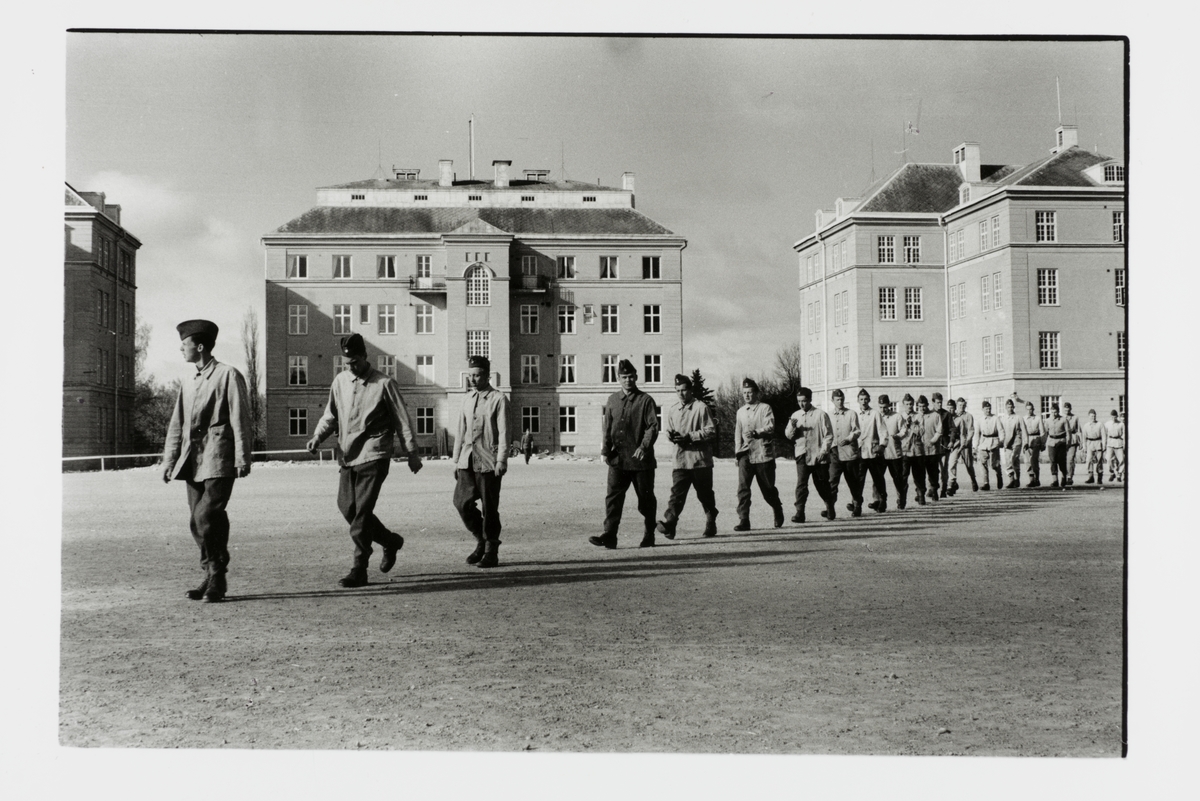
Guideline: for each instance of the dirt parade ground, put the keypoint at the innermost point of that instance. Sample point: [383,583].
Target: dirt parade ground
[986,624]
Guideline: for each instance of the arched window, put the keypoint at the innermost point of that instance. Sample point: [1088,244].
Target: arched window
[479,285]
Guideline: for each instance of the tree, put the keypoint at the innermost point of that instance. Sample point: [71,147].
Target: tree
[152,402]
[777,390]
[250,349]
[787,368]
[699,390]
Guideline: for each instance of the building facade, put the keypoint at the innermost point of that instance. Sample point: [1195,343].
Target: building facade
[979,281]
[554,281]
[99,325]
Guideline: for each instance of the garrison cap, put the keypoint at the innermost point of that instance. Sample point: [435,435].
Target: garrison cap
[922,399]
[750,383]
[862,393]
[190,328]
[353,345]
[937,396]
[680,378]
[837,393]
[805,391]
[481,362]
[963,401]
[884,400]
[907,397]
[625,367]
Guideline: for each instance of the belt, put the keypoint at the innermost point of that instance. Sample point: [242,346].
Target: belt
[1056,436]
[1094,439]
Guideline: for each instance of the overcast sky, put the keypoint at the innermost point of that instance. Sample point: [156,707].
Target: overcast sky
[209,141]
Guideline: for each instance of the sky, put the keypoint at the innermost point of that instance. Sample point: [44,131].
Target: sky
[209,141]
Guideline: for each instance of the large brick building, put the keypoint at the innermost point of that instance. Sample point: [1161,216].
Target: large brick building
[99,313]
[553,280]
[977,280]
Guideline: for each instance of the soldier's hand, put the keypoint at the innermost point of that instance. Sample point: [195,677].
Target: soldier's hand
[166,475]
[501,468]
[414,462]
[639,453]
[311,445]
[243,471]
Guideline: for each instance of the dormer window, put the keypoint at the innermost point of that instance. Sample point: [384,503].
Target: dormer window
[527,198]
[420,197]
[589,198]
[1059,137]
[964,194]
[474,197]
[358,197]
[1114,174]
[407,175]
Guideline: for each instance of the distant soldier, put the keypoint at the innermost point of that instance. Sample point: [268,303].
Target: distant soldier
[895,435]
[630,429]
[754,428]
[947,443]
[1012,440]
[932,438]
[812,432]
[1035,443]
[964,446]
[1114,432]
[872,446]
[1095,442]
[527,444]
[988,446]
[1056,447]
[691,430]
[914,448]
[208,445]
[481,460]
[844,456]
[1074,441]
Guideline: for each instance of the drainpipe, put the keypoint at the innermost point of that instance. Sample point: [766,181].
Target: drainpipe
[824,324]
[946,290]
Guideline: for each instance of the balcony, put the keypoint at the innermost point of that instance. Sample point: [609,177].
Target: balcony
[530,283]
[426,286]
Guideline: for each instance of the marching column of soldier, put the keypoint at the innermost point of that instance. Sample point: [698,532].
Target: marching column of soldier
[209,440]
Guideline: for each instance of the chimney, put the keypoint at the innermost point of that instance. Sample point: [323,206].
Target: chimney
[1065,136]
[627,181]
[966,158]
[501,172]
[446,172]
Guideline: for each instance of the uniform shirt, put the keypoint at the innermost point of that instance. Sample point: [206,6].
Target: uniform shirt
[895,432]
[989,433]
[1094,435]
[694,423]
[754,418]
[813,433]
[1012,431]
[1056,430]
[845,435]
[1035,430]
[872,434]
[630,422]
[1072,429]
[215,407]
[964,424]
[367,413]
[913,443]
[949,431]
[482,431]
[1114,432]
[933,433]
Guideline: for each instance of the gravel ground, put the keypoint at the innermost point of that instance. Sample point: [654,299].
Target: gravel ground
[987,624]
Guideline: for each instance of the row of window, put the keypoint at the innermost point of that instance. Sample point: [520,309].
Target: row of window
[610,318]
[104,369]
[610,267]
[531,420]
[531,371]
[113,316]
[385,266]
[109,254]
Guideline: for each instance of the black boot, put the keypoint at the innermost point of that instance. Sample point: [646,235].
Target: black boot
[198,593]
[357,577]
[710,523]
[491,554]
[216,589]
[476,554]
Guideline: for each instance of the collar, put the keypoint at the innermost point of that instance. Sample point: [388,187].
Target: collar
[631,393]
[206,370]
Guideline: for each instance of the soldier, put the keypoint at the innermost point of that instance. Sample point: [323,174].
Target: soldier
[1095,443]
[1114,447]
[367,411]
[914,448]
[895,433]
[1035,443]
[208,445]
[947,443]
[813,433]
[527,444]
[872,446]
[988,446]
[691,430]
[964,445]
[753,431]
[630,429]
[481,460]
[844,456]
[932,437]
[1056,446]
[1074,441]
[1012,439]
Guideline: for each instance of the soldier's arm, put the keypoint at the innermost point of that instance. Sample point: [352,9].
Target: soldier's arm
[708,429]
[502,436]
[326,424]
[650,424]
[238,397]
[174,437]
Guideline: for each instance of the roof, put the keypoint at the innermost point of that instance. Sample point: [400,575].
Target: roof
[1064,168]
[73,198]
[915,188]
[441,220]
[479,183]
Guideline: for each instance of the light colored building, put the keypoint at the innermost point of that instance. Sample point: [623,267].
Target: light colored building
[977,280]
[99,314]
[553,280]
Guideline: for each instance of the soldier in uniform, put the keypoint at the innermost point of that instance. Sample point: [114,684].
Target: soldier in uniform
[988,446]
[527,444]
[914,448]
[1012,440]
[753,431]
[481,460]
[964,445]
[946,445]
[1095,442]
[630,429]
[208,445]
[1074,441]
[844,456]
[1114,447]
[1056,446]
[895,433]
[872,447]
[932,438]
[691,430]
[812,432]
[1035,443]
[367,411]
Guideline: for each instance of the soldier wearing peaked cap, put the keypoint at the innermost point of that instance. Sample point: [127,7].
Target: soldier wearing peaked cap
[366,410]
[630,429]
[208,445]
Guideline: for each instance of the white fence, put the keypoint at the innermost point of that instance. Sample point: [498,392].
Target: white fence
[111,459]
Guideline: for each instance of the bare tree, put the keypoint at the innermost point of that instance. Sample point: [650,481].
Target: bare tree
[250,349]
[787,368]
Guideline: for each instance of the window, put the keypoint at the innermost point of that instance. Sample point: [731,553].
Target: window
[589,313]
[424,369]
[1046,226]
[887,361]
[995,290]
[479,343]
[1114,173]
[996,231]
[913,306]
[297,371]
[474,197]
[387,318]
[987,354]
[952,245]
[529,265]
[1121,349]
[912,249]
[886,248]
[1048,350]
[984,239]
[527,198]
[652,374]
[298,319]
[530,319]
[424,268]
[297,268]
[420,197]
[479,284]
[341,318]
[566,419]
[650,268]
[961,235]
[364,313]
[809,317]
[837,310]
[999,353]
[845,363]
[566,369]
[298,422]
[962,301]
[954,360]
[846,254]
[386,365]
[914,360]
[817,315]
[566,267]
[1119,277]
[341,266]
[962,357]
[608,267]
[425,420]
[887,303]
[610,319]
[424,318]
[837,259]
[985,292]
[608,368]
[530,369]
[954,302]
[964,194]
[531,419]
[566,319]
[1118,218]
[1121,405]
[846,307]
[1047,402]
[340,364]
[385,267]
[652,319]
